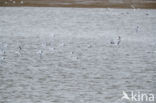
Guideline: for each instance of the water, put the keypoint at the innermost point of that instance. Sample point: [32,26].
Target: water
[78,64]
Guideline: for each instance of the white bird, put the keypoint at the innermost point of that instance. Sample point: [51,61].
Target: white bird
[2,59]
[18,53]
[40,52]
[62,44]
[19,48]
[125,96]
[53,35]
[89,46]
[137,29]
[74,58]
[51,49]
[71,52]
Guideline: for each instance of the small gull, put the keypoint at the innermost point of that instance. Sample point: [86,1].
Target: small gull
[51,49]
[74,58]
[40,52]
[44,45]
[2,59]
[20,48]
[52,36]
[89,46]
[71,52]
[119,40]
[18,53]
[62,44]
[137,29]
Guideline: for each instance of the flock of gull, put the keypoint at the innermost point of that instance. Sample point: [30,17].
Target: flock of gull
[41,51]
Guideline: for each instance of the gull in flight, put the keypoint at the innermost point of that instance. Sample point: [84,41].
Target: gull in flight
[125,96]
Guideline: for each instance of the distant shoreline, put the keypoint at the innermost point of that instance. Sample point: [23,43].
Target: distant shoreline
[151,5]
